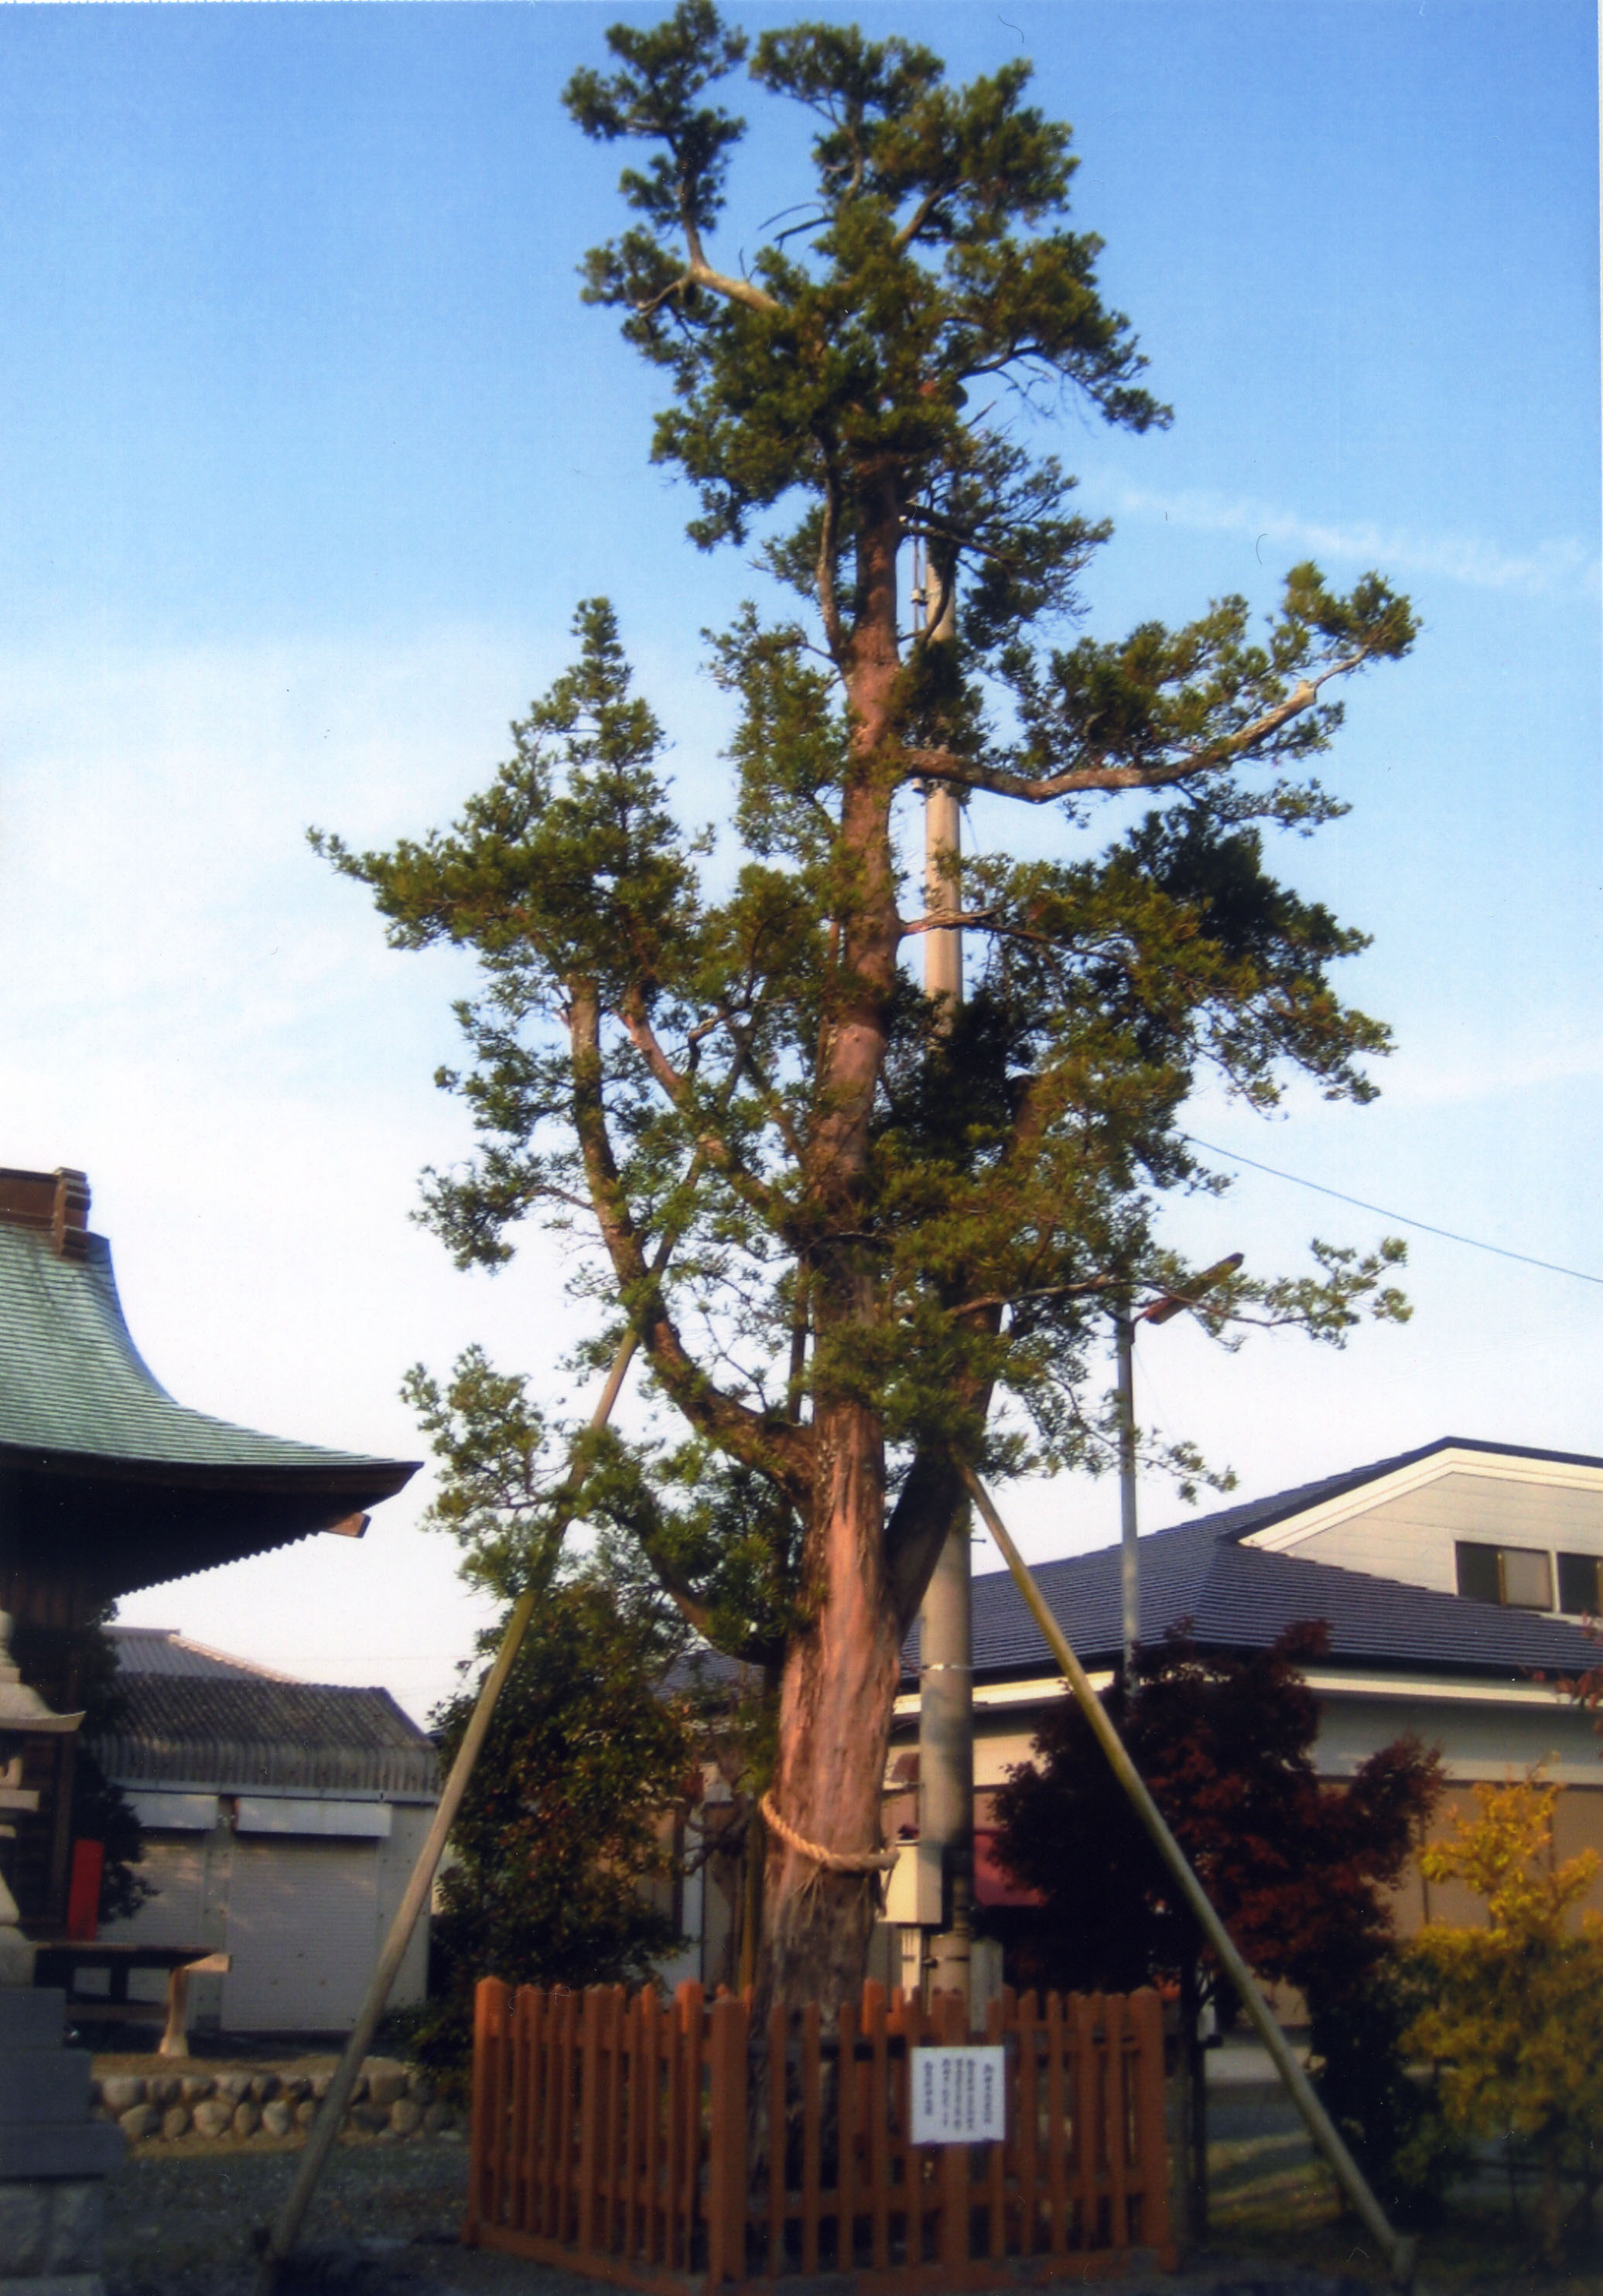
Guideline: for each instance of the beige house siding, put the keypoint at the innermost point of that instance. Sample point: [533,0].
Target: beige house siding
[1488,1733]
[1578,1825]
[1409,1535]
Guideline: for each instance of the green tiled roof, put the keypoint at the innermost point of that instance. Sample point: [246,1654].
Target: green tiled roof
[72,1383]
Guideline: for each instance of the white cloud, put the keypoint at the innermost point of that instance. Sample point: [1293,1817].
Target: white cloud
[1561,564]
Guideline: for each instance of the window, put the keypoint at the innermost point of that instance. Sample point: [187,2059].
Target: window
[1580,1584]
[1520,1578]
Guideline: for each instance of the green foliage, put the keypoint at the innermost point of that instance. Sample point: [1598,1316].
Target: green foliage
[1300,1870]
[1007,1147]
[919,284]
[100,1811]
[865,1239]
[493,1483]
[562,1862]
[567,1822]
[709,1533]
[1361,2059]
[1513,2012]
[85,1660]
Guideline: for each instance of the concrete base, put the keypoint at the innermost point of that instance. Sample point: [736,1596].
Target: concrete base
[51,2230]
[54,2159]
[54,2283]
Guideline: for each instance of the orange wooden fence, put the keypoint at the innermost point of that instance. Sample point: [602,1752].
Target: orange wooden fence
[612,2135]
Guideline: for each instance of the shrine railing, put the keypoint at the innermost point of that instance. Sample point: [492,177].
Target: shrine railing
[647,2142]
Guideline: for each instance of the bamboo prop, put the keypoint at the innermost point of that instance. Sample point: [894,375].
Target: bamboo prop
[286,2225]
[1400,2249]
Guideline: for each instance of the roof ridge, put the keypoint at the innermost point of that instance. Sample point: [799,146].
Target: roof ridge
[231,1658]
[1233,1523]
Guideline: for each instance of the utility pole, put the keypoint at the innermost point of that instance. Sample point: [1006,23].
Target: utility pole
[1125,1320]
[1125,1341]
[946,1716]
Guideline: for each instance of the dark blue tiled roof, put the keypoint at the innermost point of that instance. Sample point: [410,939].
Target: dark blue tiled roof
[1242,1597]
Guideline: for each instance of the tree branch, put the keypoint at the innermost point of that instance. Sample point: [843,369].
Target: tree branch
[1000,1300]
[948,920]
[770,1445]
[713,1145]
[778,1114]
[947,765]
[828,608]
[649,1044]
[699,271]
[918,218]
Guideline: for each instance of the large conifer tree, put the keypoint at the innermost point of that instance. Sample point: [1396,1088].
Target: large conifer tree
[890,1217]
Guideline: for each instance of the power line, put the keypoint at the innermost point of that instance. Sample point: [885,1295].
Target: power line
[1402,1218]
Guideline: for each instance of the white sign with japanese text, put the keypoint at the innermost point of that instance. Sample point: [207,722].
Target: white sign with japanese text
[958,2097]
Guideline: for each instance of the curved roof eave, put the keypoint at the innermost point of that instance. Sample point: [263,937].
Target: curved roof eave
[77,1397]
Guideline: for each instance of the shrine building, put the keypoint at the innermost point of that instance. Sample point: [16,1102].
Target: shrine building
[107,1485]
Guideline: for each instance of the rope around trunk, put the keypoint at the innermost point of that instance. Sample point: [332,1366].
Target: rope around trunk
[832,1861]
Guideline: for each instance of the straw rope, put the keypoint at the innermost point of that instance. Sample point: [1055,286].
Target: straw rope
[832,1861]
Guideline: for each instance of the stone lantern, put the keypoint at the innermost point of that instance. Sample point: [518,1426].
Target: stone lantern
[23,1715]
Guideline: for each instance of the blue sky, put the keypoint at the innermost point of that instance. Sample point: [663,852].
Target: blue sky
[308,448]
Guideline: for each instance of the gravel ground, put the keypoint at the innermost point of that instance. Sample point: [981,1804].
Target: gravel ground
[182,2221]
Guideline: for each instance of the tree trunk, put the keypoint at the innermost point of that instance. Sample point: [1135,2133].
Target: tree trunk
[836,1702]
[840,1670]
[1551,2213]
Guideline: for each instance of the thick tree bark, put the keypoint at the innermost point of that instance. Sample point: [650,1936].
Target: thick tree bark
[841,1673]
[836,1701]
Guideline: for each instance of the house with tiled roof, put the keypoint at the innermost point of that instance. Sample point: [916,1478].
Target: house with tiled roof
[280,1820]
[1454,1581]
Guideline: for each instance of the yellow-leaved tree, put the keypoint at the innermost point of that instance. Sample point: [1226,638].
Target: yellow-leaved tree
[1514,2016]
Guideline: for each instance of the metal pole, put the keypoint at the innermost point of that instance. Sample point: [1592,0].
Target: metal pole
[1400,2249]
[1130,1561]
[946,1719]
[1125,1319]
[946,1754]
[286,2225]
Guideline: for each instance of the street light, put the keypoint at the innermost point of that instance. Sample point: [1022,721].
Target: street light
[1124,1331]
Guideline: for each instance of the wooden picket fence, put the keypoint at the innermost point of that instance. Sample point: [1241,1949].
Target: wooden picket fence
[610,2135]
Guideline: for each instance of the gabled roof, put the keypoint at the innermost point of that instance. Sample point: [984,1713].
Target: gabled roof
[1239,1597]
[1262,1514]
[163,1650]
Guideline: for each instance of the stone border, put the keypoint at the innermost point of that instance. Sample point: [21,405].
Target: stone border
[390,2102]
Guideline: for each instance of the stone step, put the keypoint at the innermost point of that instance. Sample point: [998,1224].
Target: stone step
[31,2016]
[84,2148]
[44,2085]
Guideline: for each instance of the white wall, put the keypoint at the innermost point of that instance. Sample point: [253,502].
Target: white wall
[303,1918]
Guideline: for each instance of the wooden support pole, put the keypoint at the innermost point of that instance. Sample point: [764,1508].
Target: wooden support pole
[1400,2249]
[286,2225]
